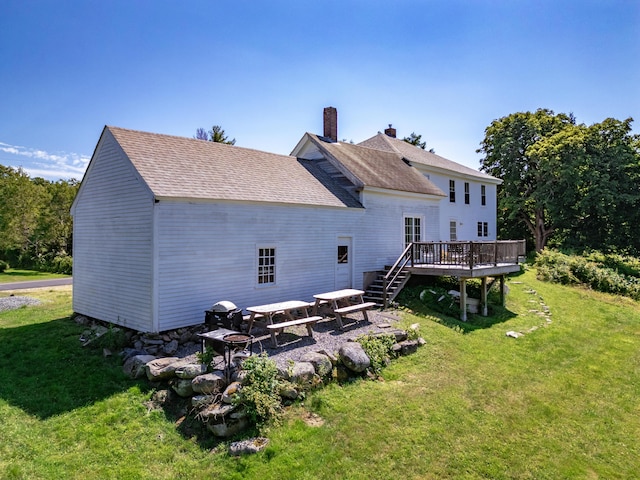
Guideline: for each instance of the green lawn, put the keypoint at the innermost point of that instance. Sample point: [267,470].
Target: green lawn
[559,402]
[17,275]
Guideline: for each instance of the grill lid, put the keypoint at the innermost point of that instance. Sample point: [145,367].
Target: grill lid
[224,306]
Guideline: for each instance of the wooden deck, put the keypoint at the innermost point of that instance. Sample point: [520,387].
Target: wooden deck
[463,271]
[462,260]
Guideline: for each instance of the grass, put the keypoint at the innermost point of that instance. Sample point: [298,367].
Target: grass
[17,275]
[559,402]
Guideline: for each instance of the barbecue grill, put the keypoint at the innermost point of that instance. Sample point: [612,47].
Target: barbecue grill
[223,314]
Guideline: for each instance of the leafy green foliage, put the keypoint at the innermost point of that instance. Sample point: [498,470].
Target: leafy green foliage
[379,349]
[570,185]
[206,357]
[216,134]
[605,273]
[35,221]
[3,266]
[260,391]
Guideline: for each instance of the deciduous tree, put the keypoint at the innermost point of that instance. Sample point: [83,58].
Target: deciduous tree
[415,139]
[508,156]
[566,182]
[216,134]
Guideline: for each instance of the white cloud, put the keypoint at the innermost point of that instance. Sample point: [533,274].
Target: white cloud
[40,163]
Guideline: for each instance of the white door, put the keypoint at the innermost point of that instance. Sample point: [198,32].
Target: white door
[343,263]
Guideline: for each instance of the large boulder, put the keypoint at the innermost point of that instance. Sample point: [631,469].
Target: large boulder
[191,370]
[321,363]
[302,372]
[354,357]
[214,382]
[232,390]
[135,366]
[216,412]
[161,368]
[228,428]
[182,386]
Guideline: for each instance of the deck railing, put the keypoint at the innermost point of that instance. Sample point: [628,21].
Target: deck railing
[463,254]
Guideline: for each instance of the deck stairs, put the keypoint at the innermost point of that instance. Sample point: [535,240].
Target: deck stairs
[375,291]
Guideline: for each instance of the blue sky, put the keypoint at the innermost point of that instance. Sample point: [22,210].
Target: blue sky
[265,70]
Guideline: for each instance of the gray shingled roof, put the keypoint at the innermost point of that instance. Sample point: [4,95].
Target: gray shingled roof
[418,155]
[369,167]
[178,167]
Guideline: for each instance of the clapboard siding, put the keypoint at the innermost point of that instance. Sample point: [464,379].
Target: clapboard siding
[113,242]
[466,216]
[382,238]
[207,252]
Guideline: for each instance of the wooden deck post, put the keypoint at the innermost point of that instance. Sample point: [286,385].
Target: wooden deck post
[483,297]
[463,299]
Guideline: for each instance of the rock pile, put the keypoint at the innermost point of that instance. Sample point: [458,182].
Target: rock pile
[212,391]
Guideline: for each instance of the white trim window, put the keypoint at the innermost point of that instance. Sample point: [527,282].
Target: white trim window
[453,231]
[467,193]
[483,195]
[483,229]
[452,191]
[266,265]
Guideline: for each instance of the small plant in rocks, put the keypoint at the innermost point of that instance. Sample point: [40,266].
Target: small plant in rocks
[378,348]
[206,357]
[260,395]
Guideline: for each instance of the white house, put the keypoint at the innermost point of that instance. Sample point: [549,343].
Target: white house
[166,226]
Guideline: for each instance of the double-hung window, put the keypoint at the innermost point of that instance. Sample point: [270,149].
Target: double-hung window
[453,231]
[467,195]
[483,195]
[483,229]
[452,191]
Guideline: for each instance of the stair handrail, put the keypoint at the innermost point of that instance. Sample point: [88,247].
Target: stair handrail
[403,259]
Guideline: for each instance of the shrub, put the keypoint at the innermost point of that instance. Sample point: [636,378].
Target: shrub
[3,266]
[260,392]
[61,264]
[604,273]
[378,348]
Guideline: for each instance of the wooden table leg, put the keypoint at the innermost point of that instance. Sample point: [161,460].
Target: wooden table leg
[251,319]
[338,317]
[364,312]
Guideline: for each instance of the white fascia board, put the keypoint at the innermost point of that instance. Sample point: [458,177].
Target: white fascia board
[399,193]
[422,168]
[251,202]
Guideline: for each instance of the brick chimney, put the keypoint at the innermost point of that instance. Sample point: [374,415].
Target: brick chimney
[390,132]
[331,123]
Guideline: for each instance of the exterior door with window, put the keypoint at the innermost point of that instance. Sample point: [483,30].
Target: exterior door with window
[412,232]
[344,263]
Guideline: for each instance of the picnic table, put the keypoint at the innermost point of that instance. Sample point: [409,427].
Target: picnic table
[346,296]
[270,310]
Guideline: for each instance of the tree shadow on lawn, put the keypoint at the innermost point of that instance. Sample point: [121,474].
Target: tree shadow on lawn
[45,371]
[474,322]
[447,312]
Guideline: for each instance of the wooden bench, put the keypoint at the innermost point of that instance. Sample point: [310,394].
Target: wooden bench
[278,327]
[358,307]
